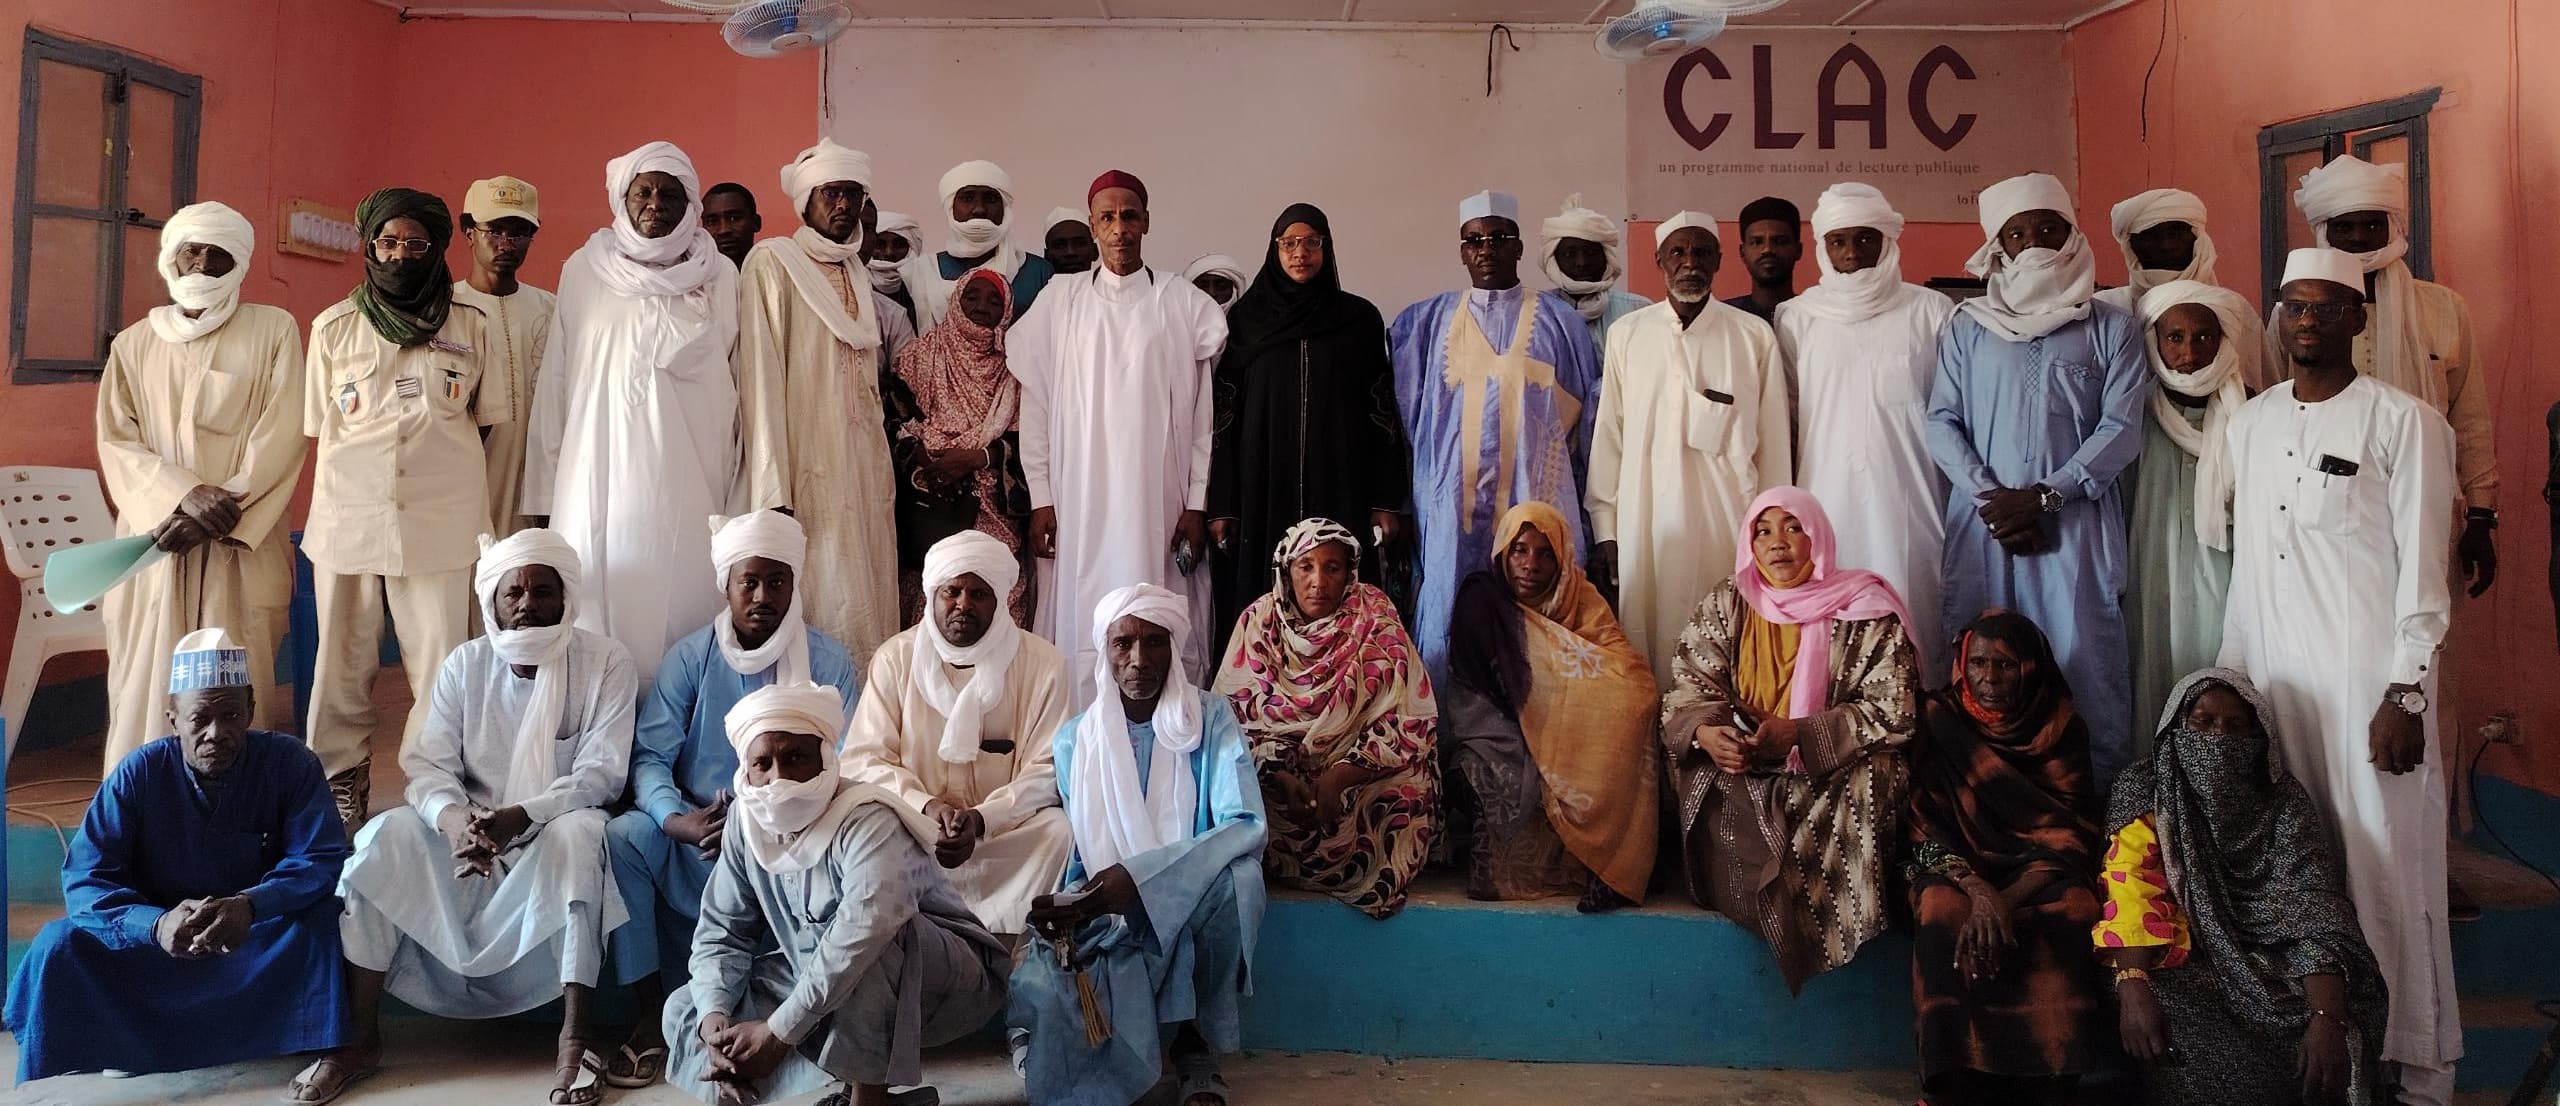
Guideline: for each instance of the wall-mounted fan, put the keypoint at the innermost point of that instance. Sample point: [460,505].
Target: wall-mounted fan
[771,28]
[1657,27]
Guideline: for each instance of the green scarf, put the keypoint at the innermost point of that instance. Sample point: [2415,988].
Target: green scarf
[405,300]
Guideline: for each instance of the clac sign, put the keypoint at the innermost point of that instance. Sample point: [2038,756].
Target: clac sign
[1929,117]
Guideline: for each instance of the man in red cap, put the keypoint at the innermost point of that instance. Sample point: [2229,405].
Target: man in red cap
[1116,422]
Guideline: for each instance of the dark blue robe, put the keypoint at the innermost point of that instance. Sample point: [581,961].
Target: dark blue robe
[96,992]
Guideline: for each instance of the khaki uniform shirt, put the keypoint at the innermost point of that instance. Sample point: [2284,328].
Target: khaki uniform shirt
[401,486]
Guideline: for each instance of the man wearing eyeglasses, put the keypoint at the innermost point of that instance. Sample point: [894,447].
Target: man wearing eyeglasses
[1495,384]
[810,334]
[399,391]
[499,216]
[2339,601]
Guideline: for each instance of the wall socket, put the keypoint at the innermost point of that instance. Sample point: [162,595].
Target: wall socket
[2500,729]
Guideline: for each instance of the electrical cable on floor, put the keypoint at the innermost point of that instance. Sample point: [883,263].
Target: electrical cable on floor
[2471,784]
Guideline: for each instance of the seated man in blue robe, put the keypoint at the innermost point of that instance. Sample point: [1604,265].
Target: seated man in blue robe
[681,763]
[832,947]
[202,895]
[1164,895]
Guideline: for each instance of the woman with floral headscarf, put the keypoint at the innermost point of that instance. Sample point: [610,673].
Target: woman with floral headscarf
[959,459]
[1344,729]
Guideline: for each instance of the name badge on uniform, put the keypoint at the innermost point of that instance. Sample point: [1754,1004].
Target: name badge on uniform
[347,400]
[453,385]
[407,387]
[448,346]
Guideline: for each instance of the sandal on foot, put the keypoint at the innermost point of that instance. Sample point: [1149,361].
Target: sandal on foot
[916,1096]
[324,1079]
[637,1068]
[1202,1084]
[585,1087]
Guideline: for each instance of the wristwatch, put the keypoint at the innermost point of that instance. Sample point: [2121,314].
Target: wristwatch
[2487,515]
[2049,500]
[2410,701]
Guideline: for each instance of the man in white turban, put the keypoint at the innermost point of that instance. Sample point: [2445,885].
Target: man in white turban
[809,373]
[200,443]
[1160,788]
[635,436]
[2420,340]
[1067,243]
[1581,253]
[664,847]
[956,721]
[1860,348]
[2161,233]
[978,198]
[1219,275]
[2036,409]
[2339,603]
[488,894]
[894,237]
[1694,423]
[832,949]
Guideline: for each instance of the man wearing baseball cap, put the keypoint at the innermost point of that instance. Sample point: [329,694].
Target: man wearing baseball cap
[500,216]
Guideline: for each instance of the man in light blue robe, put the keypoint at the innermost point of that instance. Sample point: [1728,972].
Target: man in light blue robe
[1164,896]
[682,765]
[2037,407]
[1583,259]
[201,895]
[1496,384]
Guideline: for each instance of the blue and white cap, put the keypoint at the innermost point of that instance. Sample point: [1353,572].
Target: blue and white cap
[206,659]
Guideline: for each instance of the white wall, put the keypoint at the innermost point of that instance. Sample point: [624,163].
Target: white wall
[1384,130]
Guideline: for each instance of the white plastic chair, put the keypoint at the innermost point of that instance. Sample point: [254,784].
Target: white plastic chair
[42,510]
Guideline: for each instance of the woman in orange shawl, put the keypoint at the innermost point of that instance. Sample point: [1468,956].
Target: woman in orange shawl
[1550,714]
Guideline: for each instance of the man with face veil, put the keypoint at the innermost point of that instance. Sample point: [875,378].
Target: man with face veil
[2227,920]
[2204,345]
[399,386]
[2036,409]
[200,444]
[1860,349]
[635,437]
[1331,693]
[1307,422]
[812,423]
[1583,257]
[1790,701]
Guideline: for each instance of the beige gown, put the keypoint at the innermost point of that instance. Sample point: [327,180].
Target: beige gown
[225,409]
[522,327]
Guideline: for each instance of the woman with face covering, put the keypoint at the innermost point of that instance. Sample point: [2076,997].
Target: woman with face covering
[1791,698]
[2241,973]
[1344,729]
[1549,720]
[2002,862]
[1307,424]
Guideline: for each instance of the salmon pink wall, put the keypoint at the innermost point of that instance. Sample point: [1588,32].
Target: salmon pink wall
[2228,69]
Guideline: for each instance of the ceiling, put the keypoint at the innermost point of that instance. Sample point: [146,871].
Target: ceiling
[1353,13]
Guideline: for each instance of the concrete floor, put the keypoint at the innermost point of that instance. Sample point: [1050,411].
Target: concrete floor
[506,1064]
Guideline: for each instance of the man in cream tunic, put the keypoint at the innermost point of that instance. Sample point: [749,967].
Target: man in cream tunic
[200,442]
[956,721]
[500,216]
[1693,424]
[809,398]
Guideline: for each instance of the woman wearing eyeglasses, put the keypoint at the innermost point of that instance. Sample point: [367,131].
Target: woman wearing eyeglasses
[1307,423]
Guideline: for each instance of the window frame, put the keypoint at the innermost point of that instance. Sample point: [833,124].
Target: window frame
[2334,134]
[122,70]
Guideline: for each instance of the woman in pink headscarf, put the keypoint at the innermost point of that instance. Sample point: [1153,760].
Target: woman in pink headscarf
[1792,694]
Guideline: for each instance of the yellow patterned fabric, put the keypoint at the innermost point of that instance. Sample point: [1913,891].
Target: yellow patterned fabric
[2139,912]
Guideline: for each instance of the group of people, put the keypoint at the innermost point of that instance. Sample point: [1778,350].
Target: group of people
[1057,601]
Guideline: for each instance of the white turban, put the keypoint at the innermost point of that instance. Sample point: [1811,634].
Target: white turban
[990,658]
[1218,264]
[903,225]
[2148,210]
[213,298]
[635,265]
[1589,297]
[890,277]
[1112,819]
[773,536]
[2223,385]
[2040,290]
[788,825]
[819,164]
[1682,221]
[975,237]
[2352,184]
[531,770]
[1850,297]
[1063,215]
